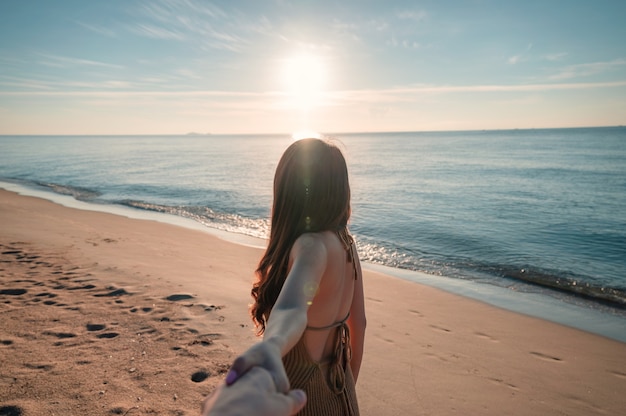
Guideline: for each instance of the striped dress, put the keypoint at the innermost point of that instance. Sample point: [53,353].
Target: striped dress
[329,385]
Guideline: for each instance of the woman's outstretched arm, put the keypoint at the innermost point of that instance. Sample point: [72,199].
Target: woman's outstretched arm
[288,319]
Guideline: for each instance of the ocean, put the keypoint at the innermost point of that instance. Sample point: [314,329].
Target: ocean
[529,220]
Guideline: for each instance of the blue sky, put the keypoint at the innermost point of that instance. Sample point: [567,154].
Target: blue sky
[279,66]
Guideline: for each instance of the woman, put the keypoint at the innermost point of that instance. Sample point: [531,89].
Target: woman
[308,299]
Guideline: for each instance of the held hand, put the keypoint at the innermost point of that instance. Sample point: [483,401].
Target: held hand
[265,355]
[253,394]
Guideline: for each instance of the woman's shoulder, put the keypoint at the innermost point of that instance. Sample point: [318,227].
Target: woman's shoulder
[325,242]
[311,241]
[325,238]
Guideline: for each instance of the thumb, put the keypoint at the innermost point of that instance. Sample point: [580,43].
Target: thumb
[297,399]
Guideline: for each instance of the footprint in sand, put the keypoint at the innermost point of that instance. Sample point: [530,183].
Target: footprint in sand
[11,411]
[147,330]
[485,336]
[619,374]
[60,335]
[144,309]
[500,382]
[199,309]
[178,297]
[84,287]
[418,313]
[95,327]
[437,357]
[439,328]
[46,295]
[113,292]
[13,292]
[545,357]
[107,335]
[202,342]
[199,376]
[45,367]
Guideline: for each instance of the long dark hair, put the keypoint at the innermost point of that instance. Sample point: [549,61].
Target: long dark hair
[311,194]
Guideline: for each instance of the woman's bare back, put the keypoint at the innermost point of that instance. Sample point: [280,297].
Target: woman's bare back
[333,299]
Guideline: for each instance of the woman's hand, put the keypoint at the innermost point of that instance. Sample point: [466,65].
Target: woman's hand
[253,394]
[266,355]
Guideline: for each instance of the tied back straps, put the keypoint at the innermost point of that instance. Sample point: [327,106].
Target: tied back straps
[348,244]
[342,354]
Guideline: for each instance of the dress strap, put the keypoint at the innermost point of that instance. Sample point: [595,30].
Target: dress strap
[331,326]
[341,360]
[353,255]
[348,244]
[342,354]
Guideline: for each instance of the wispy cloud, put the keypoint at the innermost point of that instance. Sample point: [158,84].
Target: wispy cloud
[24,83]
[102,93]
[98,29]
[523,87]
[193,21]
[555,56]
[410,93]
[32,85]
[585,70]
[163,10]
[406,43]
[515,59]
[379,25]
[415,15]
[349,29]
[156,32]
[400,33]
[373,94]
[67,61]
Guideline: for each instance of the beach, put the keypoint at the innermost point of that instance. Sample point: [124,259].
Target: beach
[103,314]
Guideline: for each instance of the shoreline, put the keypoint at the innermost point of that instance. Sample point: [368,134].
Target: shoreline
[542,303]
[104,314]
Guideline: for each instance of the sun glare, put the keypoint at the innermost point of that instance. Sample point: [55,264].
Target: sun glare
[305,134]
[304,76]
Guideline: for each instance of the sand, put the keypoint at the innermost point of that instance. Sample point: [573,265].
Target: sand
[103,315]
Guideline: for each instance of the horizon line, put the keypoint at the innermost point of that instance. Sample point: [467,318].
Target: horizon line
[324,135]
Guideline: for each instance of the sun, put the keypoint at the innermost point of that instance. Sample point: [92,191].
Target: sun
[305,134]
[304,77]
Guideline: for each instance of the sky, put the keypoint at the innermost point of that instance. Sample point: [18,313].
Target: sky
[284,66]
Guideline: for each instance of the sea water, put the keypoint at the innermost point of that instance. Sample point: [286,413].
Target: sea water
[531,212]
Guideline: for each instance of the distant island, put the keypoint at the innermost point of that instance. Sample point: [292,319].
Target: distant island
[193,133]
